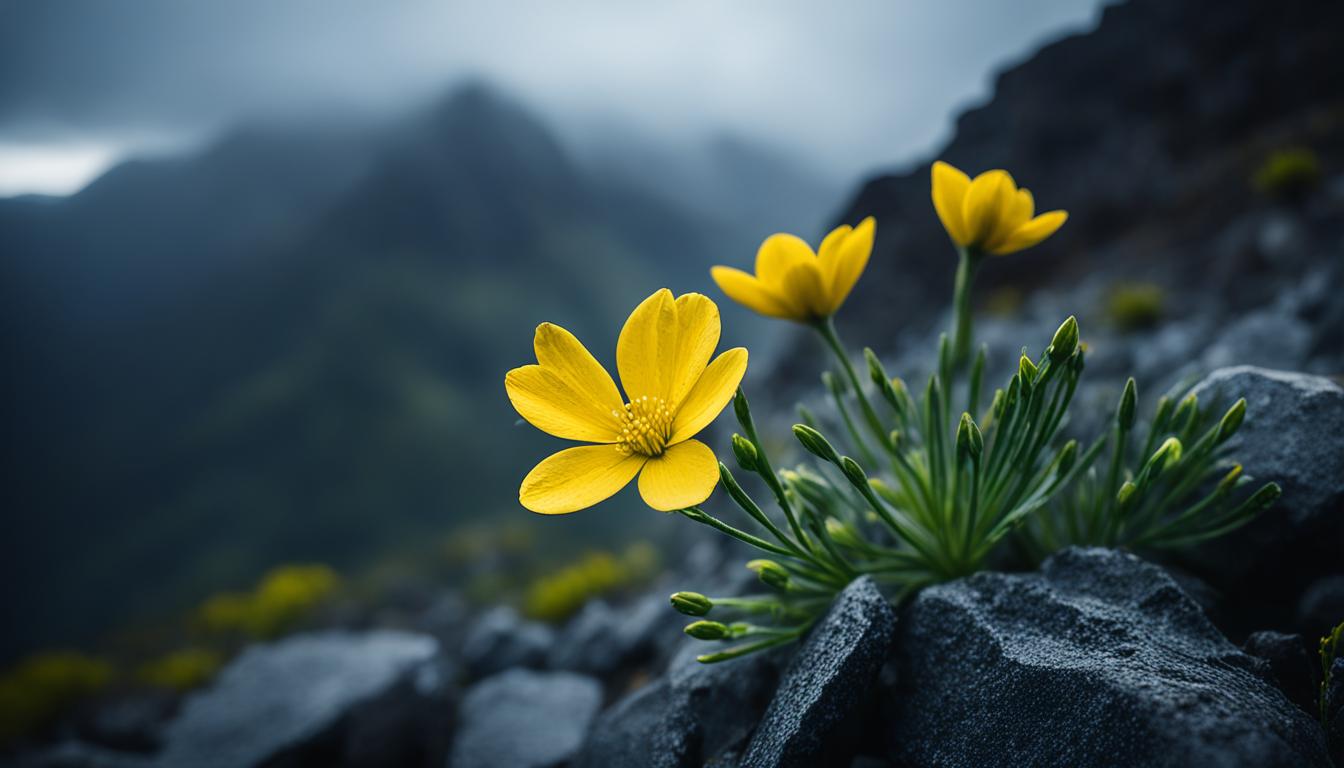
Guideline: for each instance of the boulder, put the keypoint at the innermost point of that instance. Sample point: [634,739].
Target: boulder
[500,639]
[289,702]
[817,713]
[525,719]
[1099,658]
[1294,435]
[1289,665]
[602,639]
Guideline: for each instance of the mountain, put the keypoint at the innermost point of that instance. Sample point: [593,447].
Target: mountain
[1148,130]
[292,346]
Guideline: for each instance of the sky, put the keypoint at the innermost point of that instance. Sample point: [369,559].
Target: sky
[850,87]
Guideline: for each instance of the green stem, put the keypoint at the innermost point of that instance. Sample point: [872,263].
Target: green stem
[700,516]
[827,330]
[961,301]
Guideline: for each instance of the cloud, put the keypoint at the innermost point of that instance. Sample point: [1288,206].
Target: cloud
[854,85]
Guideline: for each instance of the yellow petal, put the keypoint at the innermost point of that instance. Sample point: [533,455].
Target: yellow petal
[986,204]
[710,395]
[576,478]
[1017,213]
[778,255]
[550,404]
[1032,232]
[560,352]
[831,243]
[806,289]
[850,261]
[752,294]
[640,347]
[682,477]
[949,194]
[698,330]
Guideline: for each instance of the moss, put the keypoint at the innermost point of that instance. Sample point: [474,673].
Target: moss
[558,595]
[1132,306]
[42,686]
[1289,174]
[181,670]
[283,597]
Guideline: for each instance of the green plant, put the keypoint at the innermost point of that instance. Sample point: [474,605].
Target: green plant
[558,595]
[181,670]
[1132,306]
[1173,489]
[1289,174]
[283,597]
[1329,652]
[41,686]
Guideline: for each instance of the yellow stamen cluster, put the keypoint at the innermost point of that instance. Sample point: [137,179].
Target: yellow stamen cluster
[646,426]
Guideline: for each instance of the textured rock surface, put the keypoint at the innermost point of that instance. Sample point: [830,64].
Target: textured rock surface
[525,719]
[278,699]
[1098,659]
[1292,669]
[602,639]
[695,713]
[501,639]
[820,700]
[1293,435]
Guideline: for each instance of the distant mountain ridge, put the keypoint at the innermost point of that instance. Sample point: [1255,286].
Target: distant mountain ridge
[292,344]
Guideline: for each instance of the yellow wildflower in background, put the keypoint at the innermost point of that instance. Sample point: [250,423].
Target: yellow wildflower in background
[793,283]
[990,213]
[673,391]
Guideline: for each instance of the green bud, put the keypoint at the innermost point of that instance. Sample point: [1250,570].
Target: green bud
[854,472]
[1065,342]
[1187,408]
[834,384]
[876,373]
[770,573]
[708,630]
[742,410]
[692,603]
[1067,456]
[894,439]
[970,443]
[1171,449]
[996,407]
[1163,412]
[1263,498]
[1125,493]
[841,534]
[898,386]
[1229,481]
[815,443]
[1129,399]
[745,453]
[1026,369]
[1232,420]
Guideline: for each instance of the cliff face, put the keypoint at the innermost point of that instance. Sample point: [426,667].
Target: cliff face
[1148,130]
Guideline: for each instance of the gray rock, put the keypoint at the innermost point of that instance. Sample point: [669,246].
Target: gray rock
[133,721]
[1292,669]
[1294,435]
[279,699]
[1099,658]
[500,639]
[525,719]
[813,718]
[75,754]
[1334,710]
[695,713]
[1321,606]
[602,639]
[1269,338]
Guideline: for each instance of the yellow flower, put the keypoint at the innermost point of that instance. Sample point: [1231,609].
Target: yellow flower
[673,391]
[989,214]
[794,283]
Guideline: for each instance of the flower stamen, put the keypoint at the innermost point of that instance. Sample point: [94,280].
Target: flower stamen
[646,426]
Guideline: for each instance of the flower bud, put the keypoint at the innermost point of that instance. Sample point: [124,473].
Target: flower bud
[970,443]
[1186,409]
[834,384]
[1065,342]
[745,453]
[1232,420]
[1129,399]
[1229,481]
[1026,369]
[708,630]
[815,443]
[854,472]
[841,533]
[770,573]
[692,603]
[742,409]
[1125,493]
[1163,412]
[1264,498]
[1067,456]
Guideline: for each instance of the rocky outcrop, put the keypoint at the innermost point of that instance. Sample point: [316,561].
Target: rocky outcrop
[525,719]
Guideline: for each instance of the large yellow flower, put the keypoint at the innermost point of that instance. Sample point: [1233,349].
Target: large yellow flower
[989,214]
[794,283]
[673,391]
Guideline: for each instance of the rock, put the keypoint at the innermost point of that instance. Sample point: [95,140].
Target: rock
[650,728]
[816,711]
[1294,435]
[1099,658]
[1292,669]
[132,722]
[1268,338]
[74,754]
[525,719]
[1321,606]
[695,713]
[602,639]
[280,702]
[1334,710]
[500,639]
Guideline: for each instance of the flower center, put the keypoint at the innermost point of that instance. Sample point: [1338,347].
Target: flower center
[646,426]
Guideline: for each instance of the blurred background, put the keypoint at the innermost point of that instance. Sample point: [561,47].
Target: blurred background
[265,264]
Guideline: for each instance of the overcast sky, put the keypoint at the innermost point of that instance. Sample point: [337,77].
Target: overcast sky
[851,86]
